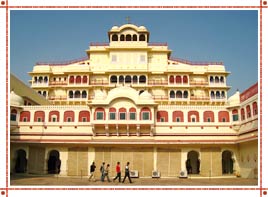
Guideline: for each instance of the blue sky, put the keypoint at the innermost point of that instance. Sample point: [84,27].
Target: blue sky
[230,36]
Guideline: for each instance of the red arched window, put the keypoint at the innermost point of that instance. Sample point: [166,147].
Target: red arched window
[54,116]
[223,116]
[171,79]
[84,79]
[248,111]
[78,79]
[132,113]
[235,115]
[178,79]
[99,114]
[185,79]
[208,116]
[193,116]
[71,79]
[145,114]
[68,116]
[39,116]
[255,108]
[162,116]
[112,113]
[25,116]
[177,116]
[84,116]
[122,113]
[243,114]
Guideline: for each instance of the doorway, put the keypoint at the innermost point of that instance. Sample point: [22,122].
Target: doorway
[54,162]
[227,162]
[21,161]
[193,162]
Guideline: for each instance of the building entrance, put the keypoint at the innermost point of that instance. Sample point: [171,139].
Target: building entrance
[54,162]
[193,163]
[21,161]
[227,162]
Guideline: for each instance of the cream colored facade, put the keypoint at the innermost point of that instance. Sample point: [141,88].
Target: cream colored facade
[129,100]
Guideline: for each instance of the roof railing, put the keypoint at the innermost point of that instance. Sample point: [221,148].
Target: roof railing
[194,62]
[61,63]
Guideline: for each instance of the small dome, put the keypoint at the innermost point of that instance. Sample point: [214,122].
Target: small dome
[145,95]
[114,27]
[15,100]
[142,28]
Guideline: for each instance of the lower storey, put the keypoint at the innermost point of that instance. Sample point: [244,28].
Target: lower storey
[168,160]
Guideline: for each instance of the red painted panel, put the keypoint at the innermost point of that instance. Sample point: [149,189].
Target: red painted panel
[190,113]
[208,114]
[223,115]
[68,114]
[39,114]
[177,114]
[162,114]
[25,114]
[84,114]
[51,113]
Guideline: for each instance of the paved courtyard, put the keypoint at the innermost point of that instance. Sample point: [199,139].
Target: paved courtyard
[28,180]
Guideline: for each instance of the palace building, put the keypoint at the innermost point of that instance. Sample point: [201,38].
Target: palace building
[130,100]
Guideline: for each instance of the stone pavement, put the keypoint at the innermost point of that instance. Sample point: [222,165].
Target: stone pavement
[35,180]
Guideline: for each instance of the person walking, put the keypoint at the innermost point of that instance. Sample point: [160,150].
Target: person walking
[92,171]
[127,173]
[106,173]
[102,170]
[118,172]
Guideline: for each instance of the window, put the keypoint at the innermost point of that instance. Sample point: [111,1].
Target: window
[39,119]
[235,117]
[208,120]
[13,117]
[84,119]
[122,116]
[178,119]
[132,115]
[223,120]
[114,58]
[193,119]
[69,119]
[162,119]
[99,116]
[25,119]
[54,119]
[112,115]
[145,116]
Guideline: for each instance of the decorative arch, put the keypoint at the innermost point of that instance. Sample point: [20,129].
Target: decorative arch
[135,79]
[78,79]
[128,37]
[185,79]
[177,116]
[121,79]
[185,94]
[71,79]
[122,37]
[84,94]
[39,116]
[99,109]
[54,114]
[248,111]
[84,79]
[208,116]
[178,79]
[162,115]
[135,37]
[171,79]
[25,116]
[255,108]
[193,114]
[71,94]
[142,79]
[145,109]
[77,94]
[114,37]
[68,116]
[128,79]
[178,94]
[84,116]
[113,79]
[171,94]
[142,37]
[223,116]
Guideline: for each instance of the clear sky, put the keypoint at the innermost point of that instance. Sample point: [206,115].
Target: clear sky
[227,36]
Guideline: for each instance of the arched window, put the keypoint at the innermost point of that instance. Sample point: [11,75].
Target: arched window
[255,108]
[128,79]
[135,79]
[39,92]
[222,79]
[35,79]
[177,116]
[208,116]
[112,113]
[45,94]
[222,94]
[99,114]
[223,116]
[45,79]
[78,79]
[243,114]
[68,116]
[121,79]
[179,94]
[132,113]
[113,79]
[218,96]
[178,79]
[39,116]
[211,79]
[40,79]
[84,79]
[145,114]
[142,79]
[122,38]
[162,116]
[172,94]
[235,115]
[185,94]
[122,113]
[248,111]
[84,94]
[171,79]
[84,116]
[77,94]
[13,115]
[185,79]
[25,116]
[217,79]
[128,37]
[54,116]
[142,37]
[134,37]
[71,94]
[114,37]
[71,79]
[193,116]
[212,95]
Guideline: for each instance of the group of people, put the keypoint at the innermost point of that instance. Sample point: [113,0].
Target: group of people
[105,172]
